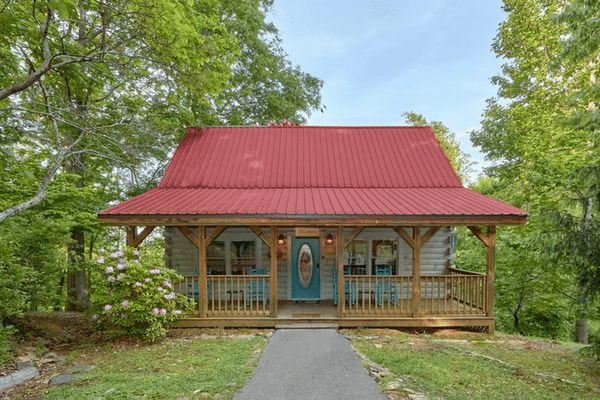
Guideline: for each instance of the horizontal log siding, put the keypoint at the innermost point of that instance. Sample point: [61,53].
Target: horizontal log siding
[180,254]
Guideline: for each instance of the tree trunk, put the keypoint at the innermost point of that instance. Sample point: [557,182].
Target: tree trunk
[581,324]
[77,280]
[581,331]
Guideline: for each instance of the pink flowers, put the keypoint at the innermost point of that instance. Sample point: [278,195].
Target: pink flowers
[154,271]
[125,303]
[168,284]
[169,296]
[101,260]
[109,270]
[121,265]
[117,254]
[137,283]
[156,311]
[177,312]
[107,307]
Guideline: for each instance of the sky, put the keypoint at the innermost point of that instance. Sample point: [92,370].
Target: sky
[379,59]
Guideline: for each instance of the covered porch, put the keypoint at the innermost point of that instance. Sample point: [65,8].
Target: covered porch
[362,295]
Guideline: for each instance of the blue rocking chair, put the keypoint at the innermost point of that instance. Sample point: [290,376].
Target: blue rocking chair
[257,290]
[386,287]
[192,290]
[349,292]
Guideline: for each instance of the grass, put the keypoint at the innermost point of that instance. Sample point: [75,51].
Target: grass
[481,367]
[178,368]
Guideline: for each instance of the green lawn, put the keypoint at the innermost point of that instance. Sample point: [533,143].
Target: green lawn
[480,367]
[178,368]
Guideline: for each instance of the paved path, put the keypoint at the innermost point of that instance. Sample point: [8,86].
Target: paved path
[309,364]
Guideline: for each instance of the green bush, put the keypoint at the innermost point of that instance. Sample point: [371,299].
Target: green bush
[5,344]
[131,297]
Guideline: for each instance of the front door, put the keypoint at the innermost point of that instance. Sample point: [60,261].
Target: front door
[306,276]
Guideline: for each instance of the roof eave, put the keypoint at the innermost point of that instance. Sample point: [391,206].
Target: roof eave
[312,219]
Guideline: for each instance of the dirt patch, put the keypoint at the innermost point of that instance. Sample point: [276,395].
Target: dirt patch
[56,327]
[45,340]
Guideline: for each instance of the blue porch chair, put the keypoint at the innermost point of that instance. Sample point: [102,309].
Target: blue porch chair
[192,289]
[257,290]
[386,288]
[349,288]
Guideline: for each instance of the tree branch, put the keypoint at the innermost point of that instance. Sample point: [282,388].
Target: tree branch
[41,192]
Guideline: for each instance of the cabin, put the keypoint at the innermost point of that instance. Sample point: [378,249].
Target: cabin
[281,226]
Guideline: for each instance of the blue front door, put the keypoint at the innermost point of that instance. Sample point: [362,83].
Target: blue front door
[306,276]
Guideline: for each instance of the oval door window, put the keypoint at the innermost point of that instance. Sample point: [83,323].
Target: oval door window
[305,265]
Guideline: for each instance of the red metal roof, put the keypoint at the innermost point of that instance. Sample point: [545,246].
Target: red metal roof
[315,172]
[309,157]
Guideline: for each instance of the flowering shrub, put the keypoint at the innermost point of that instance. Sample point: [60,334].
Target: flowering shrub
[130,298]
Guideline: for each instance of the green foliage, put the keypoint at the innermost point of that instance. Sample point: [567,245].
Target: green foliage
[578,247]
[541,159]
[133,297]
[594,348]
[6,348]
[264,84]
[582,17]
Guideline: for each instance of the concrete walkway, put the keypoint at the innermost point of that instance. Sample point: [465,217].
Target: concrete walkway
[309,364]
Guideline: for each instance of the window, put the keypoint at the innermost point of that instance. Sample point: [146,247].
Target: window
[243,256]
[215,258]
[384,252]
[355,257]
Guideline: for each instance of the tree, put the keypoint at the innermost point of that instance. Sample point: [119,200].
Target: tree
[525,130]
[83,79]
[459,159]
[264,85]
[102,90]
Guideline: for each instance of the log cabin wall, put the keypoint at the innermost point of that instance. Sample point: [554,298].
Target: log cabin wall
[182,255]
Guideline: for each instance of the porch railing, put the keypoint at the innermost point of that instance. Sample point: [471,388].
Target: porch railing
[231,295]
[459,293]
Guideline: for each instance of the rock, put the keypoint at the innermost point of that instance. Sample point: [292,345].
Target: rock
[25,361]
[17,377]
[412,395]
[62,379]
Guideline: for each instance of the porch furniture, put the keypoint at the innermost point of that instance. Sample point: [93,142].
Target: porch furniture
[257,290]
[239,294]
[386,287]
[349,288]
[193,291]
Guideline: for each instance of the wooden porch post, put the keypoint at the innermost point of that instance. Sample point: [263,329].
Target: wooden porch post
[490,272]
[416,271]
[416,242]
[339,257]
[202,286]
[489,241]
[273,278]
